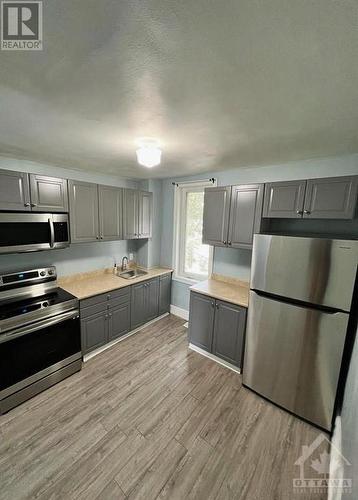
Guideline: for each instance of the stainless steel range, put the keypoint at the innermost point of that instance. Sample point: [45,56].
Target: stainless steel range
[40,340]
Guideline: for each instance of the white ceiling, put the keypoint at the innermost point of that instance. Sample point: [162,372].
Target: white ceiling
[220,83]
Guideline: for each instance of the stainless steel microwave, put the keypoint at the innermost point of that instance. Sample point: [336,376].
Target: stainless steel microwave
[24,232]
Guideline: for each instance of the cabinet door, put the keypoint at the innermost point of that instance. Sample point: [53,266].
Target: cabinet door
[119,320]
[14,191]
[130,214]
[48,194]
[83,211]
[94,331]
[245,214]
[138,305]
[284,199]
[145,212]
[216,215]
[229,332]
[165,286]
[152,299]
[110,212]
[201,321]
[331,198]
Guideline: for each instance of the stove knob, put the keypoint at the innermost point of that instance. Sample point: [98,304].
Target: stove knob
[50,272]
[43,273]
[45,304]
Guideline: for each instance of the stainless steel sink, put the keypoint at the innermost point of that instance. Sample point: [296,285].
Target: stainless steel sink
[131,274]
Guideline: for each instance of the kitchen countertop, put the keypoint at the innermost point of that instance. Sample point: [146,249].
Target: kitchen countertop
[224,288]
[84,285]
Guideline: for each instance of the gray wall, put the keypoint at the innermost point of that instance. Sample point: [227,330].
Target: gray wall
[237,262]
[80,257]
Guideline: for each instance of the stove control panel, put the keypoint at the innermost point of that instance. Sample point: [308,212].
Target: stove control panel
[28,277]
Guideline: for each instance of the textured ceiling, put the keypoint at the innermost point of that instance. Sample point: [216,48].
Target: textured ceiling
[220,83]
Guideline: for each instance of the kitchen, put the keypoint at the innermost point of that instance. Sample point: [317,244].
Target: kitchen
[173,328]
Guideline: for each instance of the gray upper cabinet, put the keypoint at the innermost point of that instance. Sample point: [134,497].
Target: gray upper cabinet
[110,212]
[145,200]
[245,214]
[229,331]
[284,199]
[331,198]
[165,285]
[201,320]
[14,191]
[83,211]
[48,194]
[216,215]
[130,214]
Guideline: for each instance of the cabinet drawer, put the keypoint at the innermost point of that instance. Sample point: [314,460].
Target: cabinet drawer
[105,297]
[118,301]
[93,309]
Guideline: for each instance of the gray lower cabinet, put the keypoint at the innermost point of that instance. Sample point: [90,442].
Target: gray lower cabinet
[94,331]
[201,320]
[284,199]
[217,327]
[229,332]
[165,286]
[83,211]
[144,302]
[14,191]
[331,198]
[119,320]
[48,194]
[216,215]
[245,214]
[110,212]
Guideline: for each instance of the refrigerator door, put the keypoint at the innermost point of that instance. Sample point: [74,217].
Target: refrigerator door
[315,270]
[293,356]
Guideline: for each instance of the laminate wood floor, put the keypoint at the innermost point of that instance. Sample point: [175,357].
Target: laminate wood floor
[150,419]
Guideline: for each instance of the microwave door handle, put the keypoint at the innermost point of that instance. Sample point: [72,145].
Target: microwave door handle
[39,325]
[52,232]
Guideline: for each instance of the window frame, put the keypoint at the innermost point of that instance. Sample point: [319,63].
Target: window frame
[178,260]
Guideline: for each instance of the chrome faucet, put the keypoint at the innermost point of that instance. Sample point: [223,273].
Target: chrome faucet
[124,265]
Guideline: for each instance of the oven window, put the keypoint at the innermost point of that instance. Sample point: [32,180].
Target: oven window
[24,233]
[24,356]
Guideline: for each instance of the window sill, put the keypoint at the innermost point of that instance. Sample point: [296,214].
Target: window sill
[187,281]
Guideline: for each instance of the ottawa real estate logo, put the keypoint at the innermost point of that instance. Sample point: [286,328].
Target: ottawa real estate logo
[21,25]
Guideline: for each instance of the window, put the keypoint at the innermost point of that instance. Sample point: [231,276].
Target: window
[192,259]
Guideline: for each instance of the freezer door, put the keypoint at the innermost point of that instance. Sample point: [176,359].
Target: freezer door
[293,356]
[315,270]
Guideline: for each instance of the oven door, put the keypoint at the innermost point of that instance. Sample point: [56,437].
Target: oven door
[32,352]
[24,232]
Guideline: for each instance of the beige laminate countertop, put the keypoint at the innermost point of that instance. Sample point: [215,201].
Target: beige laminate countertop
[227,289]
[86,285]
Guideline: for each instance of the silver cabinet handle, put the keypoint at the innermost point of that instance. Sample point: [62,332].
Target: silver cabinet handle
[34,204]
[229,242]
[224,242]
[97,237]
[212,304]
[101,237]
[307,212]
[52,233]
[299,212]
[217,306]
[26,204]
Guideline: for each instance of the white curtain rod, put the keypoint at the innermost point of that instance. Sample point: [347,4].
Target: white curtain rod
[212,180]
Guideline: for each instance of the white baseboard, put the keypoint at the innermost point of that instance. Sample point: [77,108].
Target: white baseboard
[178,311]
[214,358]
[94,353]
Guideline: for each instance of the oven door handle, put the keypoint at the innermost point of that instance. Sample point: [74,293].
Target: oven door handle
[39,325]
[52,232]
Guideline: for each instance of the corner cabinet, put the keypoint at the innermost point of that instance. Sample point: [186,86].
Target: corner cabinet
[326,198]
[137,214]
[217,327]
[232,215]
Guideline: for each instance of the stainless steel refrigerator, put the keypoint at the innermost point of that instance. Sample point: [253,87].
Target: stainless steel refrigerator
[300,297]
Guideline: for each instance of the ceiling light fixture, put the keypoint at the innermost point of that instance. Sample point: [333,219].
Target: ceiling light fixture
[148,154]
